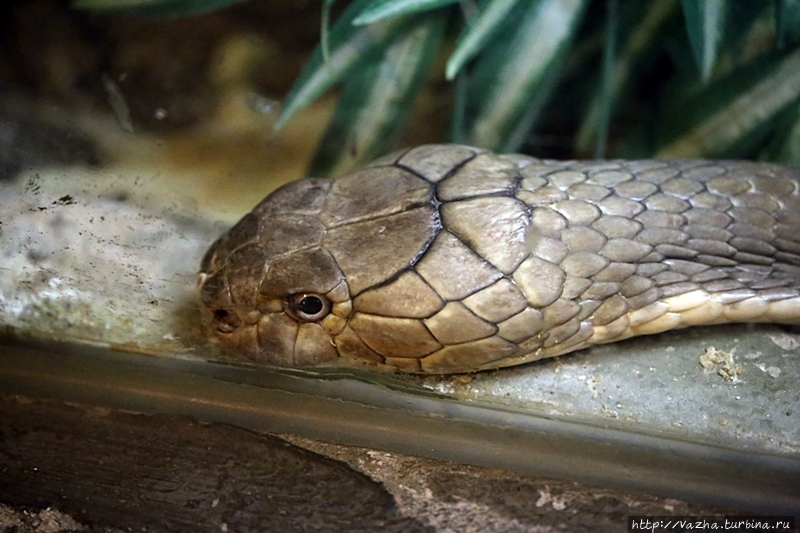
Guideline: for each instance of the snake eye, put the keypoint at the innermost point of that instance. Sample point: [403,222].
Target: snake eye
[309,307]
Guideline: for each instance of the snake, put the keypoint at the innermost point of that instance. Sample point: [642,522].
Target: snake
[449,259]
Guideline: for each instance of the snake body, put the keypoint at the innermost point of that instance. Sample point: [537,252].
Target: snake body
[449,259]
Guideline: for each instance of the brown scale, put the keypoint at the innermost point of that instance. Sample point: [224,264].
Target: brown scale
[446,259]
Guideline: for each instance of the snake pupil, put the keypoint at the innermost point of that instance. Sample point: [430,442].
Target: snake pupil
[310,305]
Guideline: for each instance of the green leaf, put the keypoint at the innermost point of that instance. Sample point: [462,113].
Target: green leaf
[608,83]
[375,102]
[350,48]
[155,8]
[785,144]
[458,125]
[324,29]
[383,9]
[787,21]
[513,78]
[705,23]
[730,113]
[477,33]
[645,33]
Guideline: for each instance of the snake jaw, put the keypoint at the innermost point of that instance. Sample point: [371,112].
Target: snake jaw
[269,291]
[268,335]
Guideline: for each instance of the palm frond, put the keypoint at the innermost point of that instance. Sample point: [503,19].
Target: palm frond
[688,78]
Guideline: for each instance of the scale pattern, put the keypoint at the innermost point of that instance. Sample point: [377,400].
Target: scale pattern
[449,259]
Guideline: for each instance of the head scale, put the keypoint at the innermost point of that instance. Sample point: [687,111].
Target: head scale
[268,290]
[278,288]
[441,259]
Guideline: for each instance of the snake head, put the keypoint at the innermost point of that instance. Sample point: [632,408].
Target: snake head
[320,273]
[268,291]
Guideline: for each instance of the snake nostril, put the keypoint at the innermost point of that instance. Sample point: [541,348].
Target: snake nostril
[225,321]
